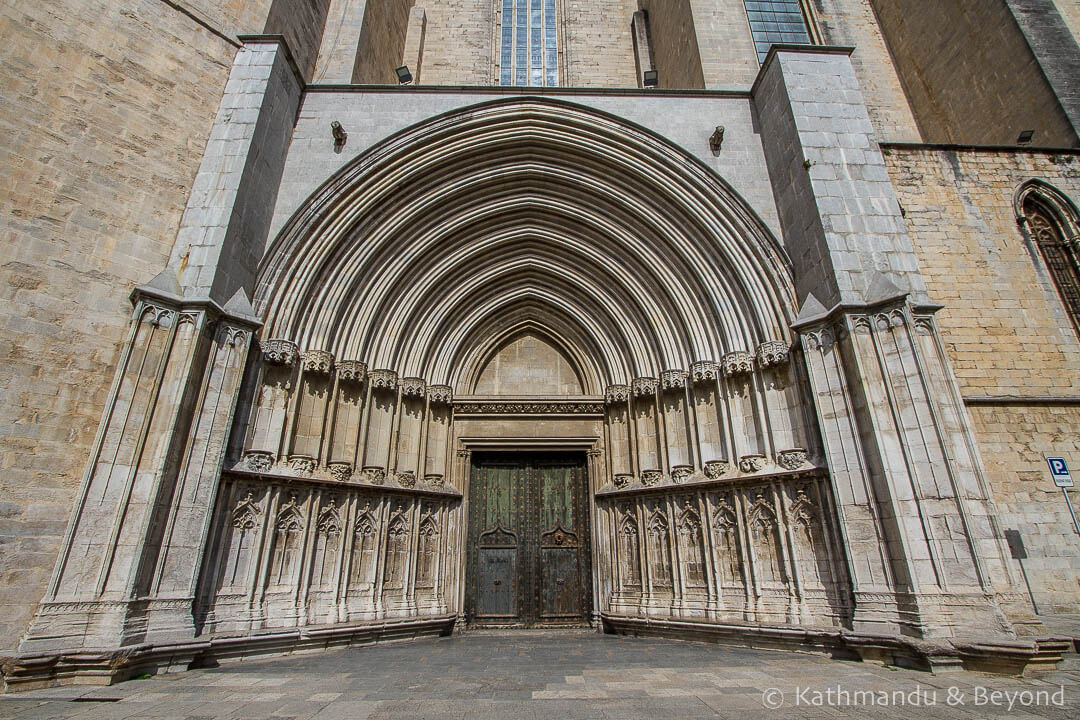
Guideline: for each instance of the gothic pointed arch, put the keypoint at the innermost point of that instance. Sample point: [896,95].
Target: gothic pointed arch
[1052,222]
[612,241]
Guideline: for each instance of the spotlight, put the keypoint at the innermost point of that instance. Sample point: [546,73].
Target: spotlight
[650,78]
[1025,137]
[404,77]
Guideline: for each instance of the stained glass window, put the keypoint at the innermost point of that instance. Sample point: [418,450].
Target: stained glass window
[529,54]
[776,21]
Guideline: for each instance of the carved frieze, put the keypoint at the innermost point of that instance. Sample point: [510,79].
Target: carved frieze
[681,473]
[615,394]
[716,468]
[537,407]
[738,363]
[752,463]
[623,480]
[373,475]
[302,465]
[673,379]
[651,478]
[413,387]
[383,380]
[704,371]
[279,352]
[340,471]
[644,387]
[791,459]
[434,479]
[352,371]
[440,395]
[406,478]
[772,352]
[258,460]
[317,362]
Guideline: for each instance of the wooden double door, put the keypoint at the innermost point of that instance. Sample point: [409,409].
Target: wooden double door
[528,559]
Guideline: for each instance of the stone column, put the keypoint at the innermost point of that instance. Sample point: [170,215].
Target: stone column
[924,551]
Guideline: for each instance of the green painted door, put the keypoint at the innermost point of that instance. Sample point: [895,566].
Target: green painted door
[528,540]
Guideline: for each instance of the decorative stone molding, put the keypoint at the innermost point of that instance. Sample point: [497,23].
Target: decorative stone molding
[317,362]
[406,478]
[752,463]
[383,379]
[279,352]
[673,379]
[791,459]
[651,478]
[538,407]
[681,473]
[352,371]
[716,468]
[340,471]
[440,395]
[623,480]
[737,363]
[373,475]
[434,479]
[258,460]
[615,394]
[301,464]
[704,371]
[413,387]
[644,386]
[772,352]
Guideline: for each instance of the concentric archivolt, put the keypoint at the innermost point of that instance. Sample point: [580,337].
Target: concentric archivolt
[634,256]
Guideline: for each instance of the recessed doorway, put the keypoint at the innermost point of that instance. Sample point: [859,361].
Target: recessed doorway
[528,561]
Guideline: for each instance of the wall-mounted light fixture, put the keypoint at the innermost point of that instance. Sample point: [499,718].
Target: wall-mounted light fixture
[404,77]
[340,136]
[650,78]
[1025,137]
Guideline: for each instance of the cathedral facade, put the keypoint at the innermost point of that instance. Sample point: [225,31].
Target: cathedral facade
[336,321]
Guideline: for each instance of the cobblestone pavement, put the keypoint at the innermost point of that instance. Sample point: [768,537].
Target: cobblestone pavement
[545,675]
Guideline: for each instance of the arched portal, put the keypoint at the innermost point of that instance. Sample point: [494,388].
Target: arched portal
[527,276]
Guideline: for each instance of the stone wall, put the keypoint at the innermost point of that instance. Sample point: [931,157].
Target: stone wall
[674,43]
[458,42]
[942,52]
[1007,334]
[107,111]
[852,22]
[382,41]
[599,50]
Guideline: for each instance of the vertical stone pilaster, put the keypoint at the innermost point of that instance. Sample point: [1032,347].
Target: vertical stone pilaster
[916,517]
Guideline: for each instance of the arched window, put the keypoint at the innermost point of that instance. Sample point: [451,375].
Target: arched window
[1051,221]
[528,43]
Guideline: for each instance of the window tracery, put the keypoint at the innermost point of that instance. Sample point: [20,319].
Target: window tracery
[1059,252]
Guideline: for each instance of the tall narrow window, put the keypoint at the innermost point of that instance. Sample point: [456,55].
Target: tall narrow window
[529,53]
[1061,256]
[776,21]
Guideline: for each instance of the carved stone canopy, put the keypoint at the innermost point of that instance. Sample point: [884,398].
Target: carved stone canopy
[673,379]
[772,352]
[318,362]
[383,379]
[615,394]
[440,394]
[351,371]
[413,387]
[644,386]
[279,352]
[704,371]
[737,363]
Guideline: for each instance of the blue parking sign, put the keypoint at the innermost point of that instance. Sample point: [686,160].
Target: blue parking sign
[1059,469]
